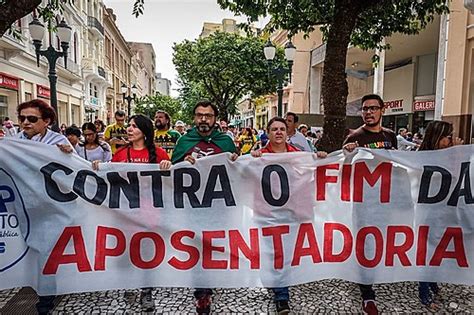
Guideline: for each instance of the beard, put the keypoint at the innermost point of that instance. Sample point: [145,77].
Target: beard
[373,124]
[204,128]
[159,125]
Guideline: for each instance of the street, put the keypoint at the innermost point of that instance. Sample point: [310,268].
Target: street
[328,296]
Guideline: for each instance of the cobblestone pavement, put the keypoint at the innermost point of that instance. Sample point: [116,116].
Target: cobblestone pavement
[329,296]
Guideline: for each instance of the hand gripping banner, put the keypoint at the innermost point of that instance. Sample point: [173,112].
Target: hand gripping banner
[372,216]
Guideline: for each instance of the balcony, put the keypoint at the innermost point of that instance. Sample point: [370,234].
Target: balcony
[95,26]
[72,72]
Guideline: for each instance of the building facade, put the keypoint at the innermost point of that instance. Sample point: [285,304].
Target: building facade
[22,80]
[118,60]
[163,85]
[145,57]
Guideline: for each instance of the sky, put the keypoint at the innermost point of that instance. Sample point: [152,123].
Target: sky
[166,22]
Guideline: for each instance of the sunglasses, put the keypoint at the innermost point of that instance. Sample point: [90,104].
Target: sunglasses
[31,118]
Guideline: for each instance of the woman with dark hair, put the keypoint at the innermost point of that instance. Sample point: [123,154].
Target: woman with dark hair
[93,149]
[141,149]
[438,135]
[100,127]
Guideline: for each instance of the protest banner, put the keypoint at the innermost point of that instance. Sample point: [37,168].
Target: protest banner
[372,216]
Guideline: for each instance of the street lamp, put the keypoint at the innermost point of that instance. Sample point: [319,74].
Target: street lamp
[64,33]
[129,98]
[280,71]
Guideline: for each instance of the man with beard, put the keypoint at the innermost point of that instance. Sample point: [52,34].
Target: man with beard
[371,135]
[165,136]
[202,140]
[116,133]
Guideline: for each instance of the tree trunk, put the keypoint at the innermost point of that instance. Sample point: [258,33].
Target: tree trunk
[334,85]
[13,10]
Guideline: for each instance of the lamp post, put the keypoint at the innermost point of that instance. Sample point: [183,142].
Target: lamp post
[129,98]
[64,33]
[280,71]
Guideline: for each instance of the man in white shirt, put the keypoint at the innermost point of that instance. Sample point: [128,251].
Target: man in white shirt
[295,137]
[404,144]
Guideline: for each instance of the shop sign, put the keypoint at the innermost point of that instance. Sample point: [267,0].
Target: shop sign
[394,106]
[43,91]
[8,82]
[423,105]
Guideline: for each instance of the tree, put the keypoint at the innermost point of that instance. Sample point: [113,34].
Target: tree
[363,23]
[148,106]
[225,67]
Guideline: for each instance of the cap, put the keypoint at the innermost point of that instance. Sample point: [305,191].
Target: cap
[179,123]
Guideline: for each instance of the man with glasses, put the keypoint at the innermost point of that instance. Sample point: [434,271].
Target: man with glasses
[116,133]
[202,140]
[371,135]
[35,116]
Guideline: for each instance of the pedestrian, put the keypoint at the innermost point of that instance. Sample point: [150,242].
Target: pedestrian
[100,127]
[141,148]
[402,143]
[93,149]
[438,135]
[180,127]
[63,129]
[277,143]
[8,127]
[202,140]
[246,141]
[295,137]
[116,134]
[35,116]
[165,136]
[371,135]
[73,134]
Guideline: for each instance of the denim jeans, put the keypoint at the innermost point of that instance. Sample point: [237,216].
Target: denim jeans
[281,294]
[424,291]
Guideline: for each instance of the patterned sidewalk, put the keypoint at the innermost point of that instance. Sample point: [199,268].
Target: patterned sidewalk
[328,296]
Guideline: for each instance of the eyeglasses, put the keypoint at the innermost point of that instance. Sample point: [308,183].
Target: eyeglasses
[206,116]
[31,118]
[371,109]
[88,134]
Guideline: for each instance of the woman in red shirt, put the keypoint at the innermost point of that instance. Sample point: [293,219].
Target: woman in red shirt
[141,149]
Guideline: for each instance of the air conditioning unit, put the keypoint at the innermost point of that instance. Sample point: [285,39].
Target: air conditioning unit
[469,4]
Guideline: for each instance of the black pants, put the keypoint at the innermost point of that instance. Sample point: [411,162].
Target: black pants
[367,292]
[199,293]
[45,304]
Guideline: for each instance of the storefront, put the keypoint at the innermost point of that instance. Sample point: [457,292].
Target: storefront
[9,86]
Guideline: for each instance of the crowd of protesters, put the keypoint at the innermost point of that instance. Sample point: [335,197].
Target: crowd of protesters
[159,141]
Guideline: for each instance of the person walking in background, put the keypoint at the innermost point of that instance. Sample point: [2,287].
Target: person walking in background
[9,128]
[295,137]
[73,134]
[100,127]
[165,136]
[402,143]
[246,141]
[180,127]
[93,149]
[116,133]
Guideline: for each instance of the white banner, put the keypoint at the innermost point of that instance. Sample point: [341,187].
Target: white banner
[372,216]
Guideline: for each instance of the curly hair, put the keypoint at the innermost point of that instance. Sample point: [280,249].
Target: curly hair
[47,112]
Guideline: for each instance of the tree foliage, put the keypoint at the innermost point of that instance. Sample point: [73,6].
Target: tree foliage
[224,67]
[150,104]
[363,23]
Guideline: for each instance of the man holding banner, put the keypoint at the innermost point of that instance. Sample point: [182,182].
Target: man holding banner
[201,141]
[371,135]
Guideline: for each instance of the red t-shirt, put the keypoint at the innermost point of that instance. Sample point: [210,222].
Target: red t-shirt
[289,148]
[130,155]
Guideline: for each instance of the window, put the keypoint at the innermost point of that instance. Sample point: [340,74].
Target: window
[28,97]
[75,47]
